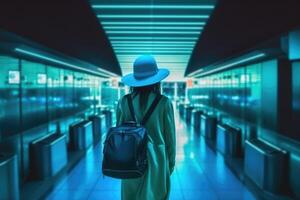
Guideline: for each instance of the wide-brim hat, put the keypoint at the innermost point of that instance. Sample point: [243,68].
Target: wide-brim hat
[145,72]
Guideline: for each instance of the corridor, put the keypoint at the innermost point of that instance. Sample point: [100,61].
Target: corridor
[200,174]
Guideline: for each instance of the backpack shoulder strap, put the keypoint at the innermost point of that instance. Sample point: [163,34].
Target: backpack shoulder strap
[131,109]
[151,109]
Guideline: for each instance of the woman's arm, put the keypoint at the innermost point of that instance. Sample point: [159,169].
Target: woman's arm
[170,136]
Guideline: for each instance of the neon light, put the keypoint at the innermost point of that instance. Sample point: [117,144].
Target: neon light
[158,57]
[156,16]
[154,32]
[230,64]
[153,7]
[114,42]
[106,73]
[154,23]
[151,51]
[152,45]
[152,48]
[151,28]
[152,38]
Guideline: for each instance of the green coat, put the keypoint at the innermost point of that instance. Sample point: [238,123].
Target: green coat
[155,184]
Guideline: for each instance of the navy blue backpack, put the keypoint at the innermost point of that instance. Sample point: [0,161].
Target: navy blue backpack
[125,146]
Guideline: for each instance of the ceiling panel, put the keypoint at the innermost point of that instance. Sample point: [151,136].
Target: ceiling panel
[168,30]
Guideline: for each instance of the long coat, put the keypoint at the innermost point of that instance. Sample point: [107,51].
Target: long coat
[155,183]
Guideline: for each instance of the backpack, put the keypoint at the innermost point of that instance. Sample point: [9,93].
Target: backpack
[125,146]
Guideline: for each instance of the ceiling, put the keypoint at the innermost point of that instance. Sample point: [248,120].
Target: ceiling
[66,26]
[239,26]
[168,30]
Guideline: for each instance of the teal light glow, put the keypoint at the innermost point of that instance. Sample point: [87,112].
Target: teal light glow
[160,58]
[154,23]
[151,28]
[155,16]
[112,38]
[155,32]
[151,42]
[152,45]
[194,7]
[153,48]
[153,51]
[260,55]
[36,55]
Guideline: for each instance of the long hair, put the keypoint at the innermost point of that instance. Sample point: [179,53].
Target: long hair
[144,93]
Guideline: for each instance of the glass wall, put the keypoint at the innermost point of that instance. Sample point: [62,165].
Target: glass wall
[235,93]
[110,94]
[9,96]
[168,89]
[37,99]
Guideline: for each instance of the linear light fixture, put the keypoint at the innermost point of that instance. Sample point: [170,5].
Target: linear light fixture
[174,62]
[151,28]
[152,45]
[154,23]
[116,42]
[153,38]
[155,32]
[194,7]
[260,55]
[158,57]
[151,51]
[153,48]
[23,51]
[155,16]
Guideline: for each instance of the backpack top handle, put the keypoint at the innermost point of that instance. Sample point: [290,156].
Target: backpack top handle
[148,113]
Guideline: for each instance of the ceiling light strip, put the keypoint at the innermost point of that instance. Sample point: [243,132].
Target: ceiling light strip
[175,63]
[152,45]
[151,28]
[196,73]
[102,16]
[154,32]
[154,38]
[154,23]
[193,7]
[153,48]
[151,51]
[40,56]
[151,42]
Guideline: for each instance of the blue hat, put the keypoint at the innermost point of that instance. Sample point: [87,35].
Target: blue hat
[145,72]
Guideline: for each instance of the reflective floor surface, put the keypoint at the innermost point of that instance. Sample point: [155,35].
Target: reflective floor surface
[200,174]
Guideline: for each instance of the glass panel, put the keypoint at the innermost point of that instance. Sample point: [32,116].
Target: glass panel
[34,115]
[34,94]
[253,91]
[9,96]
[54,98]
[109,93]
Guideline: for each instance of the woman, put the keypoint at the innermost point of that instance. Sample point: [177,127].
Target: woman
[145,85]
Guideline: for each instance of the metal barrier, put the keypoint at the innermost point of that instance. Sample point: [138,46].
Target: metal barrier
[196,120]
[97,123]
[208,126]
[9,173]
[188,113]
[265,165]
[48,156]
[229,139]
[181,109]
[108,116]
[81,135]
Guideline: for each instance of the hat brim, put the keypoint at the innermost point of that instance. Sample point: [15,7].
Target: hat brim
[131,81]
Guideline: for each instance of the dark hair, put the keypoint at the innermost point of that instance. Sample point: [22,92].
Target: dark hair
[144,93]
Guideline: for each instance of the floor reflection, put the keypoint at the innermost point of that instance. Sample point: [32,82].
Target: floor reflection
[200,173]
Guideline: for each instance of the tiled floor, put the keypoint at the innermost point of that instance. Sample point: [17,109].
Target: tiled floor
[199,174]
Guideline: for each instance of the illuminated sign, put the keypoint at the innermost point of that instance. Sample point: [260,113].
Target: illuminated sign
[41,78]
[13,77]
